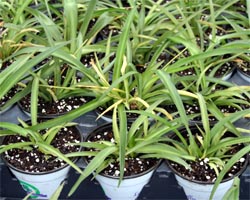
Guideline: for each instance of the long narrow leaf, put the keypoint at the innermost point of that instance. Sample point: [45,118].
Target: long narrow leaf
[92,166]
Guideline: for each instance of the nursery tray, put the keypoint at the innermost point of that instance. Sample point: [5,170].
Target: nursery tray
[162,186]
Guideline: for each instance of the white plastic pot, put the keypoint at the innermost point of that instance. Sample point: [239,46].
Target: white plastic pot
[196,191]
[41,185]
[129,189]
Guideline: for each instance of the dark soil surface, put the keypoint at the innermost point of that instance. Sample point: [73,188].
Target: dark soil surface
[107,30]
[187,72]
[222,71]
[225,69]
[7,63]
[201,171]
[194,109]
[54,107]
[51,107]
[133,165]
[32,160]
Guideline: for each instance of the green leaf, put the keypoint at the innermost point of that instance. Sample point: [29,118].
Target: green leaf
[34,99]
[176,99]
[236,157]
[123,127]
[234,191]
[122,45]
[71,22]
[88,16]
[205,122]
[56,194]
[18,145]
[92,166]
[14,128]
[55,152]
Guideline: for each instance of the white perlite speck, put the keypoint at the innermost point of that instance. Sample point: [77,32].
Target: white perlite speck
[117,172]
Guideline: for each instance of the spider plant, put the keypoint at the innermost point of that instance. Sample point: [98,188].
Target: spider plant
[224,95]
[119,79]
[211,142]
[132,89]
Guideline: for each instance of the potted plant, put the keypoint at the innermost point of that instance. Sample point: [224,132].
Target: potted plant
[123,155]
[38,158]
[131,89]
[118,77]
[219,149]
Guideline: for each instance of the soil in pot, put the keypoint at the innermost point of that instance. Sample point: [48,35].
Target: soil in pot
[107,30]
[87,58]
[240,7]
[54,108]
[202,171]
[6,63]
[33,160]
[193,109]
[224,71]
[187,72]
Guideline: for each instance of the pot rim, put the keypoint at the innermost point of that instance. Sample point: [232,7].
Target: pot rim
[103,127]
[45,172]
[243,74]
[2,111]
